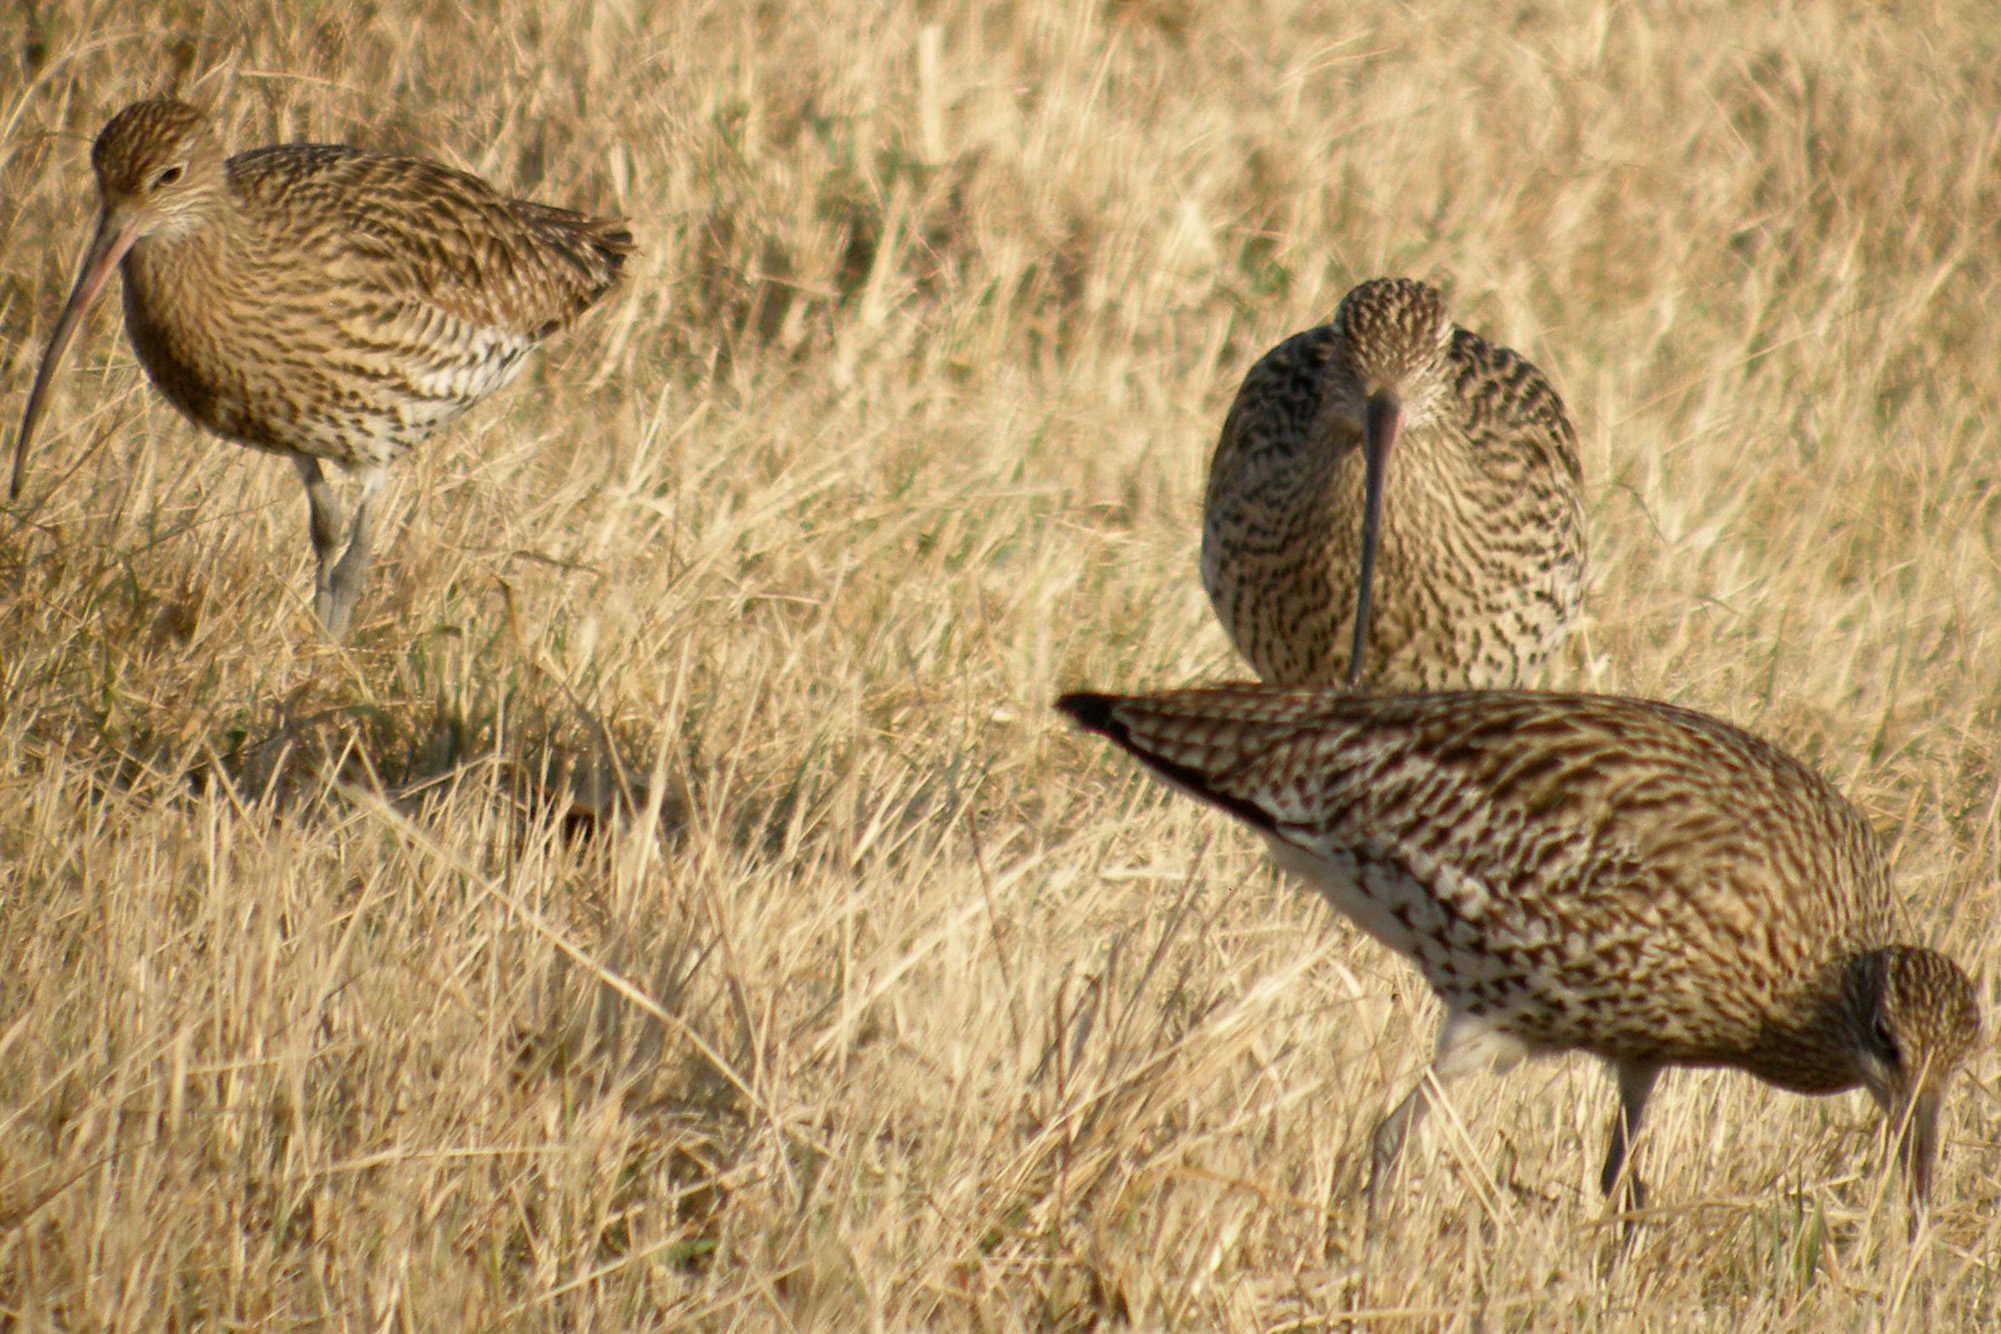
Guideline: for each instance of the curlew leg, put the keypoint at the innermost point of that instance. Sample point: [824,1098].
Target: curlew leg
[1466,1043]
[350,577]
[1636,1084]
[323,525]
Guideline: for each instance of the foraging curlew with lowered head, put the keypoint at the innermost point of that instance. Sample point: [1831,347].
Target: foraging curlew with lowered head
[321,302]
[1580,872]
[1393,503]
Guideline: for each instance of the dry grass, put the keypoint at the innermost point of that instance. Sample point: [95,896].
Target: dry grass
[679,907]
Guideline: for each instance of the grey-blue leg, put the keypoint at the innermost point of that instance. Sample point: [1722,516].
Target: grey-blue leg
[1466,1043]
[1636,1085]
[350,577]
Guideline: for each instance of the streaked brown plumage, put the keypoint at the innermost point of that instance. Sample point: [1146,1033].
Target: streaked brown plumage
[1392,431]
[1617,876]
[321,302]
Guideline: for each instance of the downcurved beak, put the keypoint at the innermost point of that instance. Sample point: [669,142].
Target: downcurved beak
[1379,437]
[1917,1146]
[116,231]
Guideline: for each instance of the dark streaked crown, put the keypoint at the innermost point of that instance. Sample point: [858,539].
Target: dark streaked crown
[1393,329]
[152,145]
[1926,1006]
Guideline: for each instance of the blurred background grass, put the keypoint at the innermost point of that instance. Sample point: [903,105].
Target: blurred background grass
[678,906]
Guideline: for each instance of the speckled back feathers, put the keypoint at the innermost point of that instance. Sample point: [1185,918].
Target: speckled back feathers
[1622,876]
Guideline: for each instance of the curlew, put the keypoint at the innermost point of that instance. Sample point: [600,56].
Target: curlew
[1393,488]
[320,302]
[1580,872]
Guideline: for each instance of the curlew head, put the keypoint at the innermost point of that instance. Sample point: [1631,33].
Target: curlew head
[159,173]
[1395,334]
[1914,1019]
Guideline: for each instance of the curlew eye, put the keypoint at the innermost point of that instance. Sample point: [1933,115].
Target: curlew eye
[1886,1041]
[168,177]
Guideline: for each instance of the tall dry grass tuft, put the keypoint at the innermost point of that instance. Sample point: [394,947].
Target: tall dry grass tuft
[680,908]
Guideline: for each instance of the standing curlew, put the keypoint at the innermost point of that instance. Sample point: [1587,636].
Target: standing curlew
[321,302]
[1390,436]
[1621,877]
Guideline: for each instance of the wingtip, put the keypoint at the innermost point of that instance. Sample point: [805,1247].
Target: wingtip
[1095,713]
[1099,713]
[1090,711]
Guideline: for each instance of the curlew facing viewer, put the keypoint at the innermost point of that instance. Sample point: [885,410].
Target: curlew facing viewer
[1393,460]
[1615,876]
[321,302]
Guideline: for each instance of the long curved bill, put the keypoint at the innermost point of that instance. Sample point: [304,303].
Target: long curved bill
[1918,1147]
[1379,437]
[115,236]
